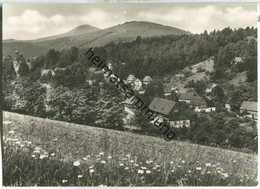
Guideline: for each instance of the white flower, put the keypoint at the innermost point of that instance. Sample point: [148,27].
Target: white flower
[22,145]
[101,153]
[64,181]
[148,171]
[234,161]
[76,163]
[183,161]
[126,168]
[189,171]
[171,162]
[157,166]
[208,164]
[128,155]
[79,176]
[29,142]
[98,159]
[91,171]
[198,168]
[11,132]
[172,171]
[136,164]
[42,156]
[85,159]
[109,157]
[55,139]
[208,172]
[7,122]
[140,171]
[121,164]
[102,185]
[103,161]
[33,156]
[18,142]
[91,167]
[124,159]
[225,175]
[88,156]
[132,161]
[213,166]
[53,154]
[143,168]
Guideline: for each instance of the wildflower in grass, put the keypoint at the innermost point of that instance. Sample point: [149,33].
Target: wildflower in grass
[132,161]
[172,170]
[241,180]
[208,172]
[225,175]
[148,171]
[144,168]
[76,163]
[42,156]
[182,161]
[88,156]
[234,161]
[171,162]
[109,157]
[102,185]
[178,166]
[55,139]
[189,171]
[91,170]
[128,155]
[91,167]
[7,122]
[121,164]
[103,162]
[157,166]
[11,132]
[136,164]
[18,142]
[140,171]
[126,168]
[154,167]
[85,159]
[98,159]
[213,165]
[28,142]
[198,168]
[36,151]
[33,156]
[80,176]
[64,181]
[101,153]
[124,159]
[53,154]
[208,164]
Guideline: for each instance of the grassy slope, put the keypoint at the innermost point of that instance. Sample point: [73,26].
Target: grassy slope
[77,141]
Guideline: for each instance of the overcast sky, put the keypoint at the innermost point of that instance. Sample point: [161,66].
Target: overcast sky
[31,21]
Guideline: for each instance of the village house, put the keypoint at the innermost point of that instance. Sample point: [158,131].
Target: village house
[186,97]
[137,85]
[250,108]
[168,111]
[147,79]
[210,87]
[228,107]
[130,79]
[168,88]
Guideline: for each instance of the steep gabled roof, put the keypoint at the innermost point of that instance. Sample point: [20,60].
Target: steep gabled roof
[162,106]
[197,100]
[186,96]
[250,106]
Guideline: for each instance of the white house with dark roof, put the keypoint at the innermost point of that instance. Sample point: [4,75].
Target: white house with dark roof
[168,112]
[210,87]
[137,85]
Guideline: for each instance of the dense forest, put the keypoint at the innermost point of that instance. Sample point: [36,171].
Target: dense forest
[78,93]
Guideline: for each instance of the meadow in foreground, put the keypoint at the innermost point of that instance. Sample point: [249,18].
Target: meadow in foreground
[36,154]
